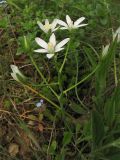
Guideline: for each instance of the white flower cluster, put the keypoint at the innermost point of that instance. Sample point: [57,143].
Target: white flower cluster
[52,47]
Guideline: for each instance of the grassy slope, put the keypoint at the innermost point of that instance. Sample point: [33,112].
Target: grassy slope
[45,133]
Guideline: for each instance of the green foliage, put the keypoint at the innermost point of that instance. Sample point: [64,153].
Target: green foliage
[97,129]
[80,116]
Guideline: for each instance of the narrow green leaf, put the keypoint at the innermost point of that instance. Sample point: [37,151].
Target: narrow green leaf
[90,56]
[97,129]
[102,71]
[109,112]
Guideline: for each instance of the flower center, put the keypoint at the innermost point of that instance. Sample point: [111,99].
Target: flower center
[47,27]
[50,47]
[71,25]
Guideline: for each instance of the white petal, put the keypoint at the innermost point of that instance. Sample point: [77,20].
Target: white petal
[41,42]
[117,33]
[105,50]
[50,55]
[59,49]
[46,22]
[14,76]
[62,43]
[52,39]
[41,26]
[14,68]
[79,21]
[81,25]
[55,29]
[16,71]
[53,25]
[69,21]
[41,51]
[62,23]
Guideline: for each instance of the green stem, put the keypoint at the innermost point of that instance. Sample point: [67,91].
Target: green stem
[90,46]
[42,96]
[76,91]
[40,73]
[59,76]
[61,68]
[48,100]
[84,79]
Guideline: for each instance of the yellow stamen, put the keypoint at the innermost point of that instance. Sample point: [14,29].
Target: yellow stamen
[47,26]
[50,47]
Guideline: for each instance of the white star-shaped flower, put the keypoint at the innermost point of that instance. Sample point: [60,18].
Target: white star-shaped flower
[70,24]
[16,72]
[47,26]
[51,47]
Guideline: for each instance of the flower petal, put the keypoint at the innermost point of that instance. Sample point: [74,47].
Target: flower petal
[105,50]
[52,39]
[69,21]
[14,77]
[59,49]
[77,22]
[16,70]
[46,22]
[81,25]
[62,23]
[53,25]
[62,43]
[41,51]
[117,33]
[55,29]
[49,56]
[41,42]
[41,26]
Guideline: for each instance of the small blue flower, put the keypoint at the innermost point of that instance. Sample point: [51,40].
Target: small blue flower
[42,101]
[2,1]
[39,104]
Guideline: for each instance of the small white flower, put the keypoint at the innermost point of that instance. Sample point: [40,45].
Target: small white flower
[47,26]
[15,72]
[51,47]
[105,50]
[70,24]
[117,33]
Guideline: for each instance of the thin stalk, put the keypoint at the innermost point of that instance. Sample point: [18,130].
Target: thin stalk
[84,79]
[48,100]
[59,76]
[76,91]
[40,73]
[61,68]
[90,46]
[42,96]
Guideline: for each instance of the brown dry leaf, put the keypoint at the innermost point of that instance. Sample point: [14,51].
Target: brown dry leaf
[13,149]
